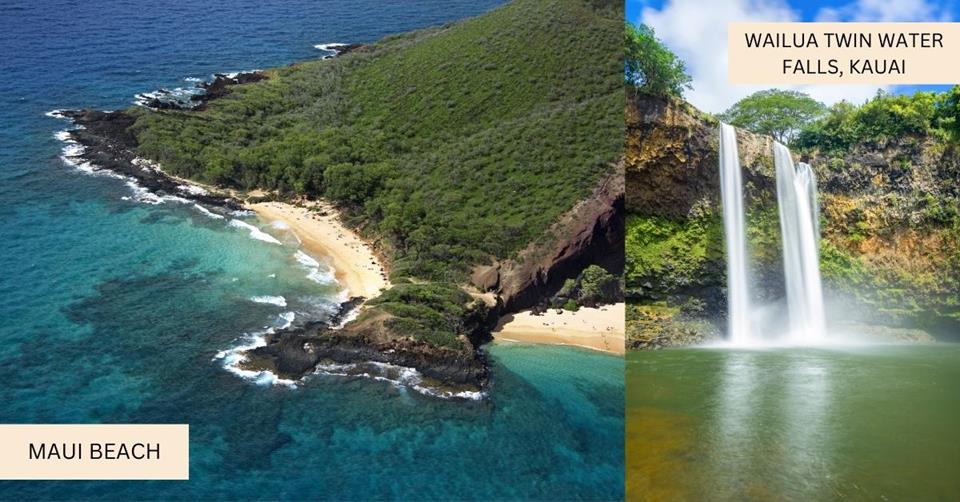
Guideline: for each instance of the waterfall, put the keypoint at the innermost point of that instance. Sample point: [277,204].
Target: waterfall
[735,238]
[800,235]
[800,231]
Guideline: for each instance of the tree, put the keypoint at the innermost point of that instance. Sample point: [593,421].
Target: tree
[597,287]
[649,67]
[774,112]
[948,111]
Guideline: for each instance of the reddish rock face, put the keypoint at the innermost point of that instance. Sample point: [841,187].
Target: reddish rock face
[589,233]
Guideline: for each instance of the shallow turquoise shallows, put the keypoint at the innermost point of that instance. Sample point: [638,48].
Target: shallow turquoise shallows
[114,310]
[855,423]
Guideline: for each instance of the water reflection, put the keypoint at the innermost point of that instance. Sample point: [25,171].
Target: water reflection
[770,429]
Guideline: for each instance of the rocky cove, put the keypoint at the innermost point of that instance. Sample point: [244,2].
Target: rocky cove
[589,233]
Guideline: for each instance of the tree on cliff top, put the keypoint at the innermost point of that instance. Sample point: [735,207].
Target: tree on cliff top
[650,67]
[774,112]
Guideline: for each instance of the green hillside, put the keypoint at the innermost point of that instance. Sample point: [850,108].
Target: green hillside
[451,145]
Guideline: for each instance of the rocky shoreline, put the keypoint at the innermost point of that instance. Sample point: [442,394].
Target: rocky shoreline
[294,352]
[108,144]
[589,233]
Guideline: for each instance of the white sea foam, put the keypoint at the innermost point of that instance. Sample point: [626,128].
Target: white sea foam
[208,212]
[399,376]
[255,233]
[329,47]
[232,357]
[180,96]
[272,300]
[306,260]
[72,150]
[314,271]
[56,114]
[322,276]
[141,194]
[288,318]
[279,225]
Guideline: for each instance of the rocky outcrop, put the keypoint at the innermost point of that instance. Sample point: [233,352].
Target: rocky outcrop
[590,233]
[197,97]
[372,338]
[109,143]
[221,83]
[671,159]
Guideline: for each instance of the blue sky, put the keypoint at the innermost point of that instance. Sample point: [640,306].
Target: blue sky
[696,31]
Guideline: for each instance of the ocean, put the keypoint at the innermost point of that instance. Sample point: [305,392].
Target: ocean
[119,307]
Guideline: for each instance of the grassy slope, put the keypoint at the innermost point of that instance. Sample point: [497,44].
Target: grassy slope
[450,145]
[458,143]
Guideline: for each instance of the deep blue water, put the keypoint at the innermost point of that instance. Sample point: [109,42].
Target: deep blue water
[112,310]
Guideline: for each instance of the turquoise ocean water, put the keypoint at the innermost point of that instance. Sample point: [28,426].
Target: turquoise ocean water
[114,306]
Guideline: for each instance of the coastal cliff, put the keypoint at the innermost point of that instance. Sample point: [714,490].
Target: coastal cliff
[516,166]
[888,250]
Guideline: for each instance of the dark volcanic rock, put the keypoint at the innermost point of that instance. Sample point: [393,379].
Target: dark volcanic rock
[110,144]
[219,87]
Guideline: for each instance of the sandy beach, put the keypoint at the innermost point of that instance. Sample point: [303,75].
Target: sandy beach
[593,328]
[356,267]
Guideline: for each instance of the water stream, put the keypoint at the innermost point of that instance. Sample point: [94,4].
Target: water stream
[735,239]
[800,231]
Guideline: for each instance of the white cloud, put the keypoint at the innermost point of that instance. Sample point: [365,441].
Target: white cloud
[696,31]
[887,10]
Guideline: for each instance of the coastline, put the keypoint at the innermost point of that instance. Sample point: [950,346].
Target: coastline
[355,265]
[599,328]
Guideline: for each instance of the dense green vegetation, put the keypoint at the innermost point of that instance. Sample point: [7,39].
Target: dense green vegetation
[774,112]
[453,146]
[649,66]
[671,254]
[594,286]
[432,312]
[883,118]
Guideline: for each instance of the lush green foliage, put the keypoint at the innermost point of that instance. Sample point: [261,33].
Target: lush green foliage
[885,117]
[452,145]
[649,66]
[671,254]
[594,286]
[774,112]
[430,312]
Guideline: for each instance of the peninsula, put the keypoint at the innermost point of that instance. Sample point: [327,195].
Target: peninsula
[476,168]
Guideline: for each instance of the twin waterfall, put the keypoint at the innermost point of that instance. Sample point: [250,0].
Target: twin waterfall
[800,234]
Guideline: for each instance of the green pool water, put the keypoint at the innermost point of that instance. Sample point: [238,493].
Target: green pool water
[875,422]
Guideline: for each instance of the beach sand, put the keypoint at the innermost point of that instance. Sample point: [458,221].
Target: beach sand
[593,328]
[357,268]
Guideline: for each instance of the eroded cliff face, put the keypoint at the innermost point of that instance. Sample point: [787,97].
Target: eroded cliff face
[672,159]
[889,253]
[590,233]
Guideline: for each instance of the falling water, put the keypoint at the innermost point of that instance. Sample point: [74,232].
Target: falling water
[800,230]
[731,191]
